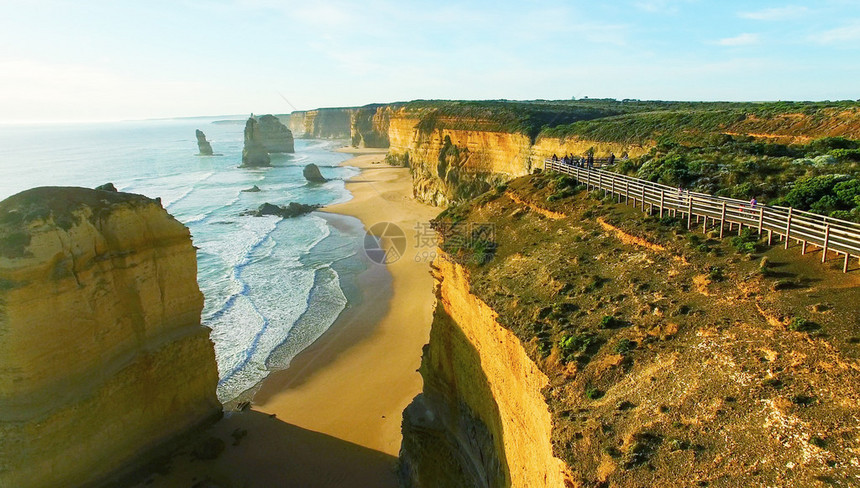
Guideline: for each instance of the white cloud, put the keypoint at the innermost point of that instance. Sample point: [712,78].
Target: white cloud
[846,34]
[746,39]
[779,13]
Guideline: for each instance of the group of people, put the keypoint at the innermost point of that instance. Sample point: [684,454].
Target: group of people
[586,161]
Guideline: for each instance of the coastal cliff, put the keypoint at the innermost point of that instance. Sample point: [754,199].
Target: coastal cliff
[102,352]
[459,149]
[323,123]
[578,342]
[481,419]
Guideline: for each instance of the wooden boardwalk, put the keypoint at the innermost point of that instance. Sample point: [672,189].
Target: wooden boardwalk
[807,229]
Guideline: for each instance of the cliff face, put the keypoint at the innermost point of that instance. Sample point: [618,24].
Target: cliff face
[454,164]
[481,420]
[101,348]
[323,123]
[545,147]
[274,135]
[370,125]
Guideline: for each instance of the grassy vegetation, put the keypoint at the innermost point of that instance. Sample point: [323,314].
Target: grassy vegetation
[822,176]
[525,117]
[689,122]
[618,327]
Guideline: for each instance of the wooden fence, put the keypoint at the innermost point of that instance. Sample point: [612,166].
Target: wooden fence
[701,209]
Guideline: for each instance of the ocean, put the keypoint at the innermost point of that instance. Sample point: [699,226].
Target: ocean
[272,286]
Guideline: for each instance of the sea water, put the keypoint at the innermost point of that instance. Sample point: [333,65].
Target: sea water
[272,286]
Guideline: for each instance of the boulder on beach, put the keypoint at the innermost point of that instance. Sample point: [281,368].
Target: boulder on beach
[293,209]
[254,153]
[312,174]
[253,189]
[202,144]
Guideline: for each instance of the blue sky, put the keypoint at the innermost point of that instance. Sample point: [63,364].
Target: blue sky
[63,60]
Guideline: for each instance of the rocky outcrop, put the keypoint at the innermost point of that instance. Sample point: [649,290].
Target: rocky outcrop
[254,153]
[102,354]
[253,189]
[481,419]
[312,174]
[274,135]
[203,146]
[293,209]
[106,187]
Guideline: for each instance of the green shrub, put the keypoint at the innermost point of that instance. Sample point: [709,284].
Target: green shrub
[799,324]
[747,242]
[609,322]
[715,273]
[593,393]
[573,345]
[624,346]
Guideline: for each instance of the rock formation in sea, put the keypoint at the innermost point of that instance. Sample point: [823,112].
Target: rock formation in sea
[312,174]
[253,189]
[294,209]
[276,137]
[202,144]
[102,353]
[254,153]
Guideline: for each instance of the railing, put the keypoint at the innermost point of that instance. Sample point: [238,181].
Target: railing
[827,233]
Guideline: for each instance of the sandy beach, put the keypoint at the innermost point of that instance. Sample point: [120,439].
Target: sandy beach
[333,418]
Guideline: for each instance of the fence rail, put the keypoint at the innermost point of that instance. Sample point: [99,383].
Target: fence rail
[701,209]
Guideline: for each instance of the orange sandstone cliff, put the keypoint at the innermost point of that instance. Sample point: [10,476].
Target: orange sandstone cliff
[102,353]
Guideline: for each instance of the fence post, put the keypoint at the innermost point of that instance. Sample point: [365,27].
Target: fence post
[627,192]
[760,218]
[643,197]
[612,191]
[826,242]
[689,211]
[788,226]
[722,219]
[600,183]
[662,201]
[845,266]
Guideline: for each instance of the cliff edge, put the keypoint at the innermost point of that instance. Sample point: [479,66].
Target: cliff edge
[101,348]
[578,341]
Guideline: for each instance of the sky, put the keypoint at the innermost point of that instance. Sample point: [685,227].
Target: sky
[94,60]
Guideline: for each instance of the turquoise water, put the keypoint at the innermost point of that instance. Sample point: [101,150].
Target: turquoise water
[271,285]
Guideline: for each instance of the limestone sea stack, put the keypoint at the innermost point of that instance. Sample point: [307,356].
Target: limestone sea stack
[203,145]
[276,137]
[254,153]
[312,174]
[102,353]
